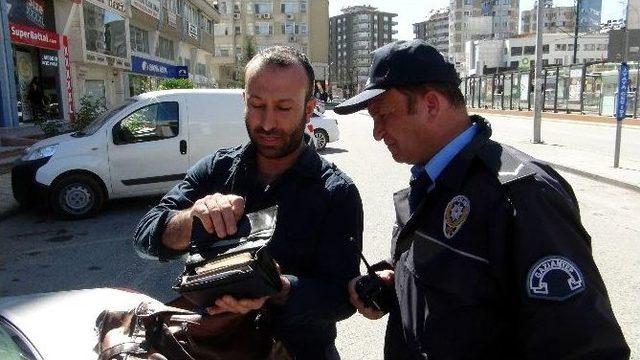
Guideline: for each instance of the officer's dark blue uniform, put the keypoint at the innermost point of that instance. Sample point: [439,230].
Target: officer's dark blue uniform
[491,261]
[494,263]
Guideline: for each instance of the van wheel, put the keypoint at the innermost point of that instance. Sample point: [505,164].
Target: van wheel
[76,196]
[322,138]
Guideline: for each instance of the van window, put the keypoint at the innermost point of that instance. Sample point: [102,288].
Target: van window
[154,122]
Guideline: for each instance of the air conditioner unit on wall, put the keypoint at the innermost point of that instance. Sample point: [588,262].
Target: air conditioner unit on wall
[266,16]
[292,39]
[236,16]
[289,16]
[258,16]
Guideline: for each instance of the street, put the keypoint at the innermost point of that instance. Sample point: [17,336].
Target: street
[39,253]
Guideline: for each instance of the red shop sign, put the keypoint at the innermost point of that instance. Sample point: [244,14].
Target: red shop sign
[69,81]
[33,36]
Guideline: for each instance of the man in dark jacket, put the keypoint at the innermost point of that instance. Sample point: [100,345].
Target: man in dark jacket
[319,208]
[489,257]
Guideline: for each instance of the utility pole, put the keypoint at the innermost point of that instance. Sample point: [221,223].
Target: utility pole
[575,34]
[538,92]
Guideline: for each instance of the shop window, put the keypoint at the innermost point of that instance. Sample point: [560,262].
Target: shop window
[154,122]
[139,39]
[105,31]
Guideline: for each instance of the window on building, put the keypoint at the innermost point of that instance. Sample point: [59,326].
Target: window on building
[201,69]
[589,47]
[303,6]
[514,64]
[529,50]
[561,47]
[569,47]
[165,48]
[207,25]
[222,6]
[263,8]
[516,50]
[289,8]
[303,28]
[545,62]
[558,61]
[545,49]
[289,28]
[139,39]
[105,31]
[237,30]
[190,13]
[263,28]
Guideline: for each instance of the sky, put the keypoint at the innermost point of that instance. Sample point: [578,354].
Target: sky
[412,11]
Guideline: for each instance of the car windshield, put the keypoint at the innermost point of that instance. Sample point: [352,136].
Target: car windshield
[13,345]
[100,120]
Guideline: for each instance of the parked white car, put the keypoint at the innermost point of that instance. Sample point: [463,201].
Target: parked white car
[139,148]
[325,129]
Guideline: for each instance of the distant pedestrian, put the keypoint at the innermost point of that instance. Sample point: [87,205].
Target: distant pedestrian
[35,96]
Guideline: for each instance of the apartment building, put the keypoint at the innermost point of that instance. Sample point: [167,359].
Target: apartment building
[111,49]
[519,52]
[435,30]
[353,35]
[479,20]
[556,19]
[301,24]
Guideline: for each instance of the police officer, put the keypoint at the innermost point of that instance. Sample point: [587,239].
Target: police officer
[489,257]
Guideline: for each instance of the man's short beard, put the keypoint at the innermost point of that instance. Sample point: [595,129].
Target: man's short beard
[292,143]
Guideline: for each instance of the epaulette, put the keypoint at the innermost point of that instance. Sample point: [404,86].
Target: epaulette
[508,164]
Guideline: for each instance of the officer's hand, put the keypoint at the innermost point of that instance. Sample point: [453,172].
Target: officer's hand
[228,303]
[219,213]
[387,277]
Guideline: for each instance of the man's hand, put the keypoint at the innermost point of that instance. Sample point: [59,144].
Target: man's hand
[387,277]
[219,213]
[228,303]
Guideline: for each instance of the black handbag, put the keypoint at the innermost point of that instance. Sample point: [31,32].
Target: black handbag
[240,266]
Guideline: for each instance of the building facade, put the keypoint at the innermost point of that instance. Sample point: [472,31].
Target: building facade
[479,20]
[260,24]
[519,52]
[435,30]
[109,49]
[556,19]
[353,35]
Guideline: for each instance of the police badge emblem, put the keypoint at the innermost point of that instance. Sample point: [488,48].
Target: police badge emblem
[455,214]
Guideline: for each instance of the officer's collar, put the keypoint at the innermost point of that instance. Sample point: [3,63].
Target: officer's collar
[455,172]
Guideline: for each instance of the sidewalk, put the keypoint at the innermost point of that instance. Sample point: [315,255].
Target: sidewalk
[589,164]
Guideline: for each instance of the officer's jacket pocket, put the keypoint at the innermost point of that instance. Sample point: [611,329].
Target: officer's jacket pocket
[444,268]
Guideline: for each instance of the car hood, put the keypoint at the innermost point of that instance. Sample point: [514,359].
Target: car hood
[60,325]
[54,140]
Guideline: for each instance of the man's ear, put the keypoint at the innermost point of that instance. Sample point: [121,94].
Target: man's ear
[432,102]
[308,108]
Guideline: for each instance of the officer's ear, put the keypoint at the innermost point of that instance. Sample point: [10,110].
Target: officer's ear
[431,102]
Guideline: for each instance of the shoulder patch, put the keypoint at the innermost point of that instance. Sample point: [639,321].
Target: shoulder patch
[554,278]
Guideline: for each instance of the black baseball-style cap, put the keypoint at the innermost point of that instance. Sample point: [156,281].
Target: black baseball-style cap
[397,64]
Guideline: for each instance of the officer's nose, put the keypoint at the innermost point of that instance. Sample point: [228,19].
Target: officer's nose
[378,130]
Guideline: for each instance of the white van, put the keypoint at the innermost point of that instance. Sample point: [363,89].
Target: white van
[141,147]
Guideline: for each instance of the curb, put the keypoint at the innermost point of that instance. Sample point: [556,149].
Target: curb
[595,177]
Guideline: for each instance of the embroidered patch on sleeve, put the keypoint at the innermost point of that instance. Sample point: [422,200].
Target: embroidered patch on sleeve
[554,278]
